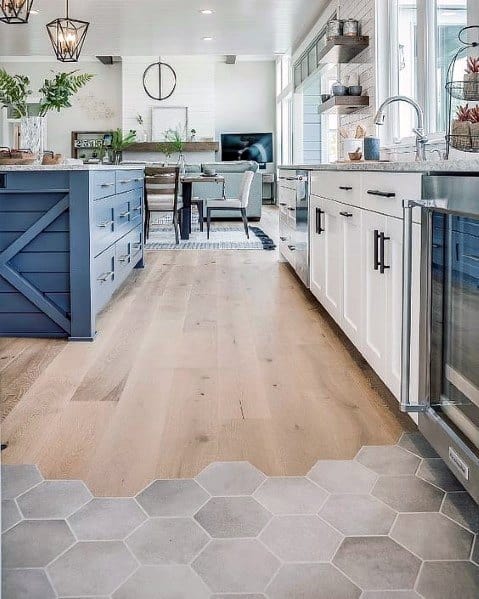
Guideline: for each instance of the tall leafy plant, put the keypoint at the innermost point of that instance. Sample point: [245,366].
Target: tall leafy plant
[14,91]
[120,141]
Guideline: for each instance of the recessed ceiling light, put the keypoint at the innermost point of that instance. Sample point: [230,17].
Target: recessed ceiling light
[207,11]
[208,39]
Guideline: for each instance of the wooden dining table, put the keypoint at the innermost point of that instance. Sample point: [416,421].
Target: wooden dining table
[187,187]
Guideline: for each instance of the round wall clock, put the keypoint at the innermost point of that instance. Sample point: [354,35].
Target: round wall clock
[159,80]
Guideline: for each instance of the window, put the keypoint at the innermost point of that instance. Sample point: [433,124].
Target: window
[284,94]
[423,39]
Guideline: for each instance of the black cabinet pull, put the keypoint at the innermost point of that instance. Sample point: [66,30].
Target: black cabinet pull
[382,239]
[291,208]
[382,194]
[345,188]
[376,249]
[292,248]
[283,238]
[346,214]
[319,228]
[283,204]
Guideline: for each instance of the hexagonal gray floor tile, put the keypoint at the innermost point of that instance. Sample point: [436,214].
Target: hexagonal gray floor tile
[291,495]
[236,566]
[10,514]
[390,595]
[417,444]
[231,517]
[107,519]
[162,541]
[388,460]
[172,498]
[432,536]
[301,539]
[163,582]
[311,581]
[230,478]
[358,515]
[236,596]
[475,551]
[54,499]
[441,580]
[91,568]
[342,476]
[377,563]
[408,494]
[16,479]
[35,543]
[436,472]
[463,509]
[26,584]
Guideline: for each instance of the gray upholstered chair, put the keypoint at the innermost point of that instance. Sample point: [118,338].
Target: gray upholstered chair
[237,204]
[162,185]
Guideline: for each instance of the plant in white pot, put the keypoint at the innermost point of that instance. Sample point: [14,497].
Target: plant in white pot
[55,94]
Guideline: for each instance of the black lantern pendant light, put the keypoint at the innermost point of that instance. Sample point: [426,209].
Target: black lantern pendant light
[67,37]
[15,11]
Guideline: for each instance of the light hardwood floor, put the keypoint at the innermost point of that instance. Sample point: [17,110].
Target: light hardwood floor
[202,356]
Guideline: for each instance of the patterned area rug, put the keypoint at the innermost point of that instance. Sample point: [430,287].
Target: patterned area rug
[222,237]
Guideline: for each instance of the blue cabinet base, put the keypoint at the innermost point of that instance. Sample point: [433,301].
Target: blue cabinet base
[68,241]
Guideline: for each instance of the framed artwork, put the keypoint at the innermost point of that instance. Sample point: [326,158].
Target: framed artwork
[168,117]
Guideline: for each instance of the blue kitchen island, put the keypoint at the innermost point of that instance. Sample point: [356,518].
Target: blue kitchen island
[69,237]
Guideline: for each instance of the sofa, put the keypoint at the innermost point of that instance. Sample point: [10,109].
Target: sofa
[233,174]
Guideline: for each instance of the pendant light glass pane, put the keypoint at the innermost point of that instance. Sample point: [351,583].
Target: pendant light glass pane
[15,11]
[67,37]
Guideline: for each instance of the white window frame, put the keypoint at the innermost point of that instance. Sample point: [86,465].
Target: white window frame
[387,66]
[284,101]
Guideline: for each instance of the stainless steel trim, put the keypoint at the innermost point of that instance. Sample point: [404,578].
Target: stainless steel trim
[465,386]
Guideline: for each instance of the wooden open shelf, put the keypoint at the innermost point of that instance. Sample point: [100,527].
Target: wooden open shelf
[343,104]
[189,146]
[342,49]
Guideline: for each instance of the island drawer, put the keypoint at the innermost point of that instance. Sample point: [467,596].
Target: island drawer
[384,192]
[104,278]
[341,186]
[36,181]
[126,180]
[102,184]
[103,225]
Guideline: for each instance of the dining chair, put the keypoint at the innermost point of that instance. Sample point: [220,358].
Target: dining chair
[240,204]
[162,184]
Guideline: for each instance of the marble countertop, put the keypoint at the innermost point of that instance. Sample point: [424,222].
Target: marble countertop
[67,167]
[462,166]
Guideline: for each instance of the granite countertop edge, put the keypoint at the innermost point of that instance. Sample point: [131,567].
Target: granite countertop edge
[66,167]
[392,167]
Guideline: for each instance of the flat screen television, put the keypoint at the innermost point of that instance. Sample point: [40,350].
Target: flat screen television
[247,146]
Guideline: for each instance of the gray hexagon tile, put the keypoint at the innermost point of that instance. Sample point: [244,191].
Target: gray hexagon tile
[432,536]
[417,444]
[26,584]
[390,595]
[238,596]
[231,517]
[301,539]
[230,478]
[163,582]
[107,519]
[342,476]
[358,515]
[462,509]
[377,563]
[392,460]
[54,499]
[311,581]
[408,494]
[35,543]
[180,497]
[436,472]
[16,479]
[162,541]
[475,551]
[91,568]
[444,580]
[236,566]
[10,514]
[291,495]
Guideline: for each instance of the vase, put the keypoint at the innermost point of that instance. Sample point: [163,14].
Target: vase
[117,156]
[182,164]
[32,133]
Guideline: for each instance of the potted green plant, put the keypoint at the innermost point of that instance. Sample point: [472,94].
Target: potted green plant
[121,141]
[55,94]
[174,144]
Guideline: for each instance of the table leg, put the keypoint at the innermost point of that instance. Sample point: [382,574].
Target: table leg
[186,212]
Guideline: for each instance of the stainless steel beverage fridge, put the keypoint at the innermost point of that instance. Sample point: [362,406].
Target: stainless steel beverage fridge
[448,408]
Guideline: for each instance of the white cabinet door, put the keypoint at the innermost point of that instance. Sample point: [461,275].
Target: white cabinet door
[375,296]
[393,258]
[332,223]
[352,271]
[317,253]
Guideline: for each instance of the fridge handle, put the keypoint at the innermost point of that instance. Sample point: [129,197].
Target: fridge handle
[406,405]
